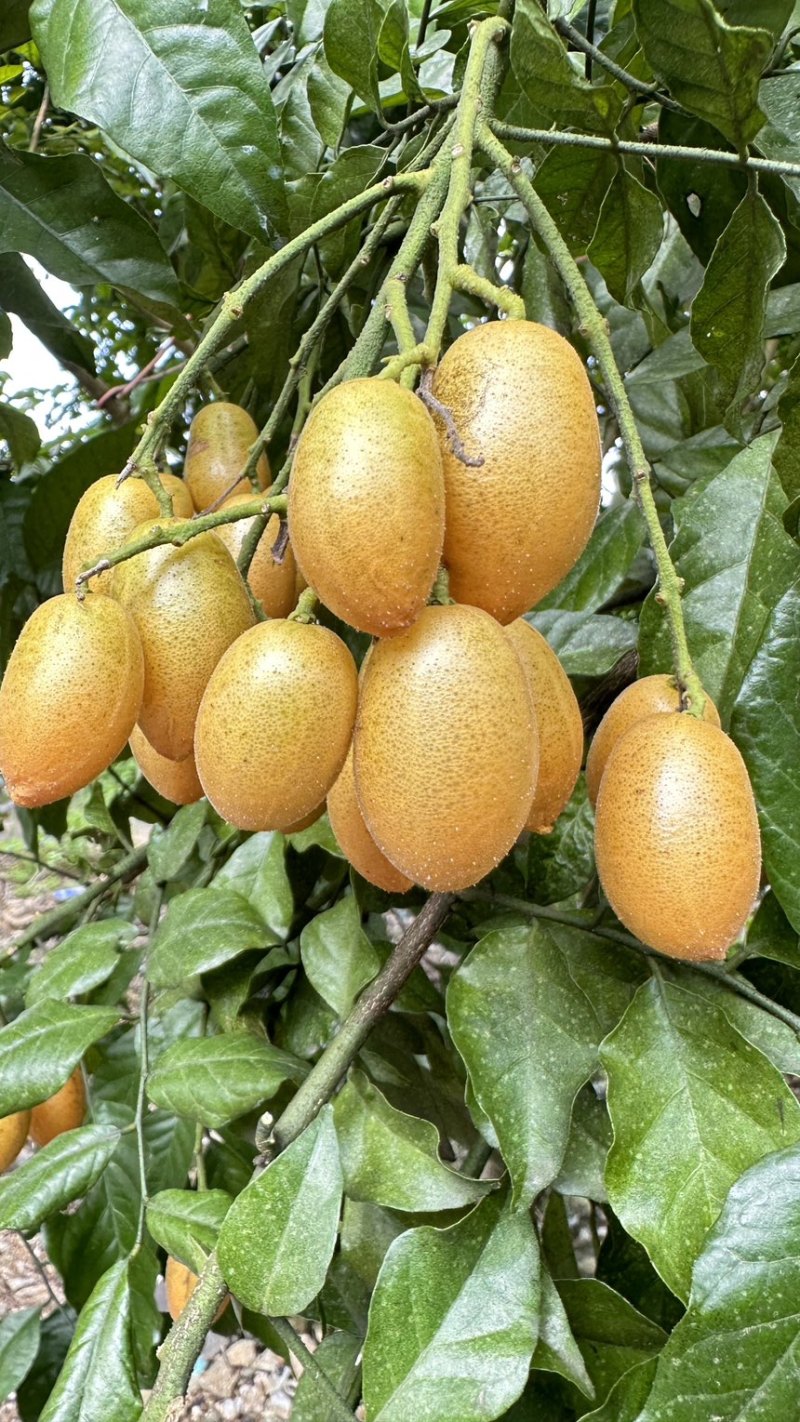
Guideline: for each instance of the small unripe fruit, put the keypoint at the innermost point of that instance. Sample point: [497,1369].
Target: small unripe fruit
[70,696]
[13,1135]
[355,839]
[63,1112]
[105,518]
[522,402]
[647,697]
[676,836]
[275,723]
[219,439]
[189,604]
[176,780]
[180,1283]
[445,751]
[272,583]
[366,504]
[559,722]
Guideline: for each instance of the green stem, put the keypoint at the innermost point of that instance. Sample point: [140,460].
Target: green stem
[144,1070]
[47,925]
[465,279]
[306,609]
[637,86]
[336,1409]
[251,541]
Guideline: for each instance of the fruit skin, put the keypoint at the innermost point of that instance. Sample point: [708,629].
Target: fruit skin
[176,780]
[189,604]
[646,697]
[62,1112]
[366,504]
[355,839]
[219,438]
[105,518]
[275,723]
[558,717]
[69,698]
[676,836]
[521,399]
[272,583]
[13,1134]
[444,750]
[180,1283]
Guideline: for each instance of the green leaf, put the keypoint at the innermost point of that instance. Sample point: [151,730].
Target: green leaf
[292,1209]
[628,1395]
[586,643]
[208,120]
[19,1344]
[787,451]
[527,1010]
[472,1292]
[257,869]
[557,1350]
[187,1222]
[604,564]
[99,1364]
[19,432]
[63,212]
[216,1079]
[572,182]
[337,955]
[561,863]
[170,848]
[337,1355]
[56,1175]
[551,84]
[54,1340]
[692,1105]
[776,1039]
[40,1049]
[21,293]
[628,234]
[392,1159]
[203,928]
[14,25]
[583,1167]
[771,935]
[611,1334]
[351,45]
[83,960]
[710,67]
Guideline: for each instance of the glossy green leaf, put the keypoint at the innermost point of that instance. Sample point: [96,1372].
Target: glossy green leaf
[21,293]
[337,1355]
[337,955]
[55,1335]
[187,1222]
[573,182]
[771,935]
[56,1175]
[558,94]
[776,1039]
[628,234]
[19,1344]
[83,960]
[351,45]
[561,863]
[583,1167]
[611,1334]
[169,849]
[257,870]
[20,433]
[603,565]
[40,1049]
[557,1350]
[787,451]
[99,1363]
[292,1209]
[14,25]
[586,643]
[202,929]
[216,1079]
[628,1395]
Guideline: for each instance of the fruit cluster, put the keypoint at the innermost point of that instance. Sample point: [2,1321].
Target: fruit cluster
[461,728]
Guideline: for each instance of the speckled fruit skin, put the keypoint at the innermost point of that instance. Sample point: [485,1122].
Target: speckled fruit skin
[180,1283]
[275,723]
[521,399]
[444,750]
[676,836]
[70,696]
[559,721]
[272,583]
[105,518]
[647,697]
[366,504]
[176,780]
[355,839]
[219,438]
[63,1112]
[189,604]
[13,1135]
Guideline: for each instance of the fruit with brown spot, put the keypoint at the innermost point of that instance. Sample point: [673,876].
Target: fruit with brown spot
[647,697]
[355,839]
[272,583]
[62,1112]
[219,440]
[559,722]
[176,780]
[13,1135]
[180,1283]
[105,518]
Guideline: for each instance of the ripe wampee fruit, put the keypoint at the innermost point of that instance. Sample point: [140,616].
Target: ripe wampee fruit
[650,695]
[559,724]
[180,1283]
[676,836]
[275,723]
[272,583]
[445,750]
[13,1135]
[70,696]
[521,400]
[219,438]
[105,518]
[355,839]
[176,780]
[62,1112]
[366,504]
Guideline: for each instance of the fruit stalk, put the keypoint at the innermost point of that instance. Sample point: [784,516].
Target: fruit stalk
[144,1069]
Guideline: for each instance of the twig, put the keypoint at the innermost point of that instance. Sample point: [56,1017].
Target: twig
[636,86]
[38,122]
[144,1070]
[146,373]
[337,1409]
[48,924]
[426,395]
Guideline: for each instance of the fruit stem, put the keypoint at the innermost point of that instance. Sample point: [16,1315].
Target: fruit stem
[440,592]
[594,327]
[465,279]
[144,1070]
[306,609]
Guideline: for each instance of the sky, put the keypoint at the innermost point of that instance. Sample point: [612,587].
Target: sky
[30,364]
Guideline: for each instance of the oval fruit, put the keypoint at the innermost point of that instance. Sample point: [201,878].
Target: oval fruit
[647,697]
[62,1112]
[559,721]
[272,583]
[676,836]
[189,604]
[106,516]
[366,504]
[219,439]
[306,821]
[176,780]
[521,401]
[69,698]
[13,1135]
[180,1283]
[275,723]
[355,839]
[444,750]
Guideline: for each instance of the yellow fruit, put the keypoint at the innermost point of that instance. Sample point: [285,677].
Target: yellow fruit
[70,696]
[445,751]
[62,1112]
[676,836]
[515,526]
[275,724]
[176,780]
[366,504]
[355,839]
[219,439]
[306,820]
[559,721]
[13,1134]
[189,604]
[272,583]
[647,697]
[180,1283]
[105,518]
